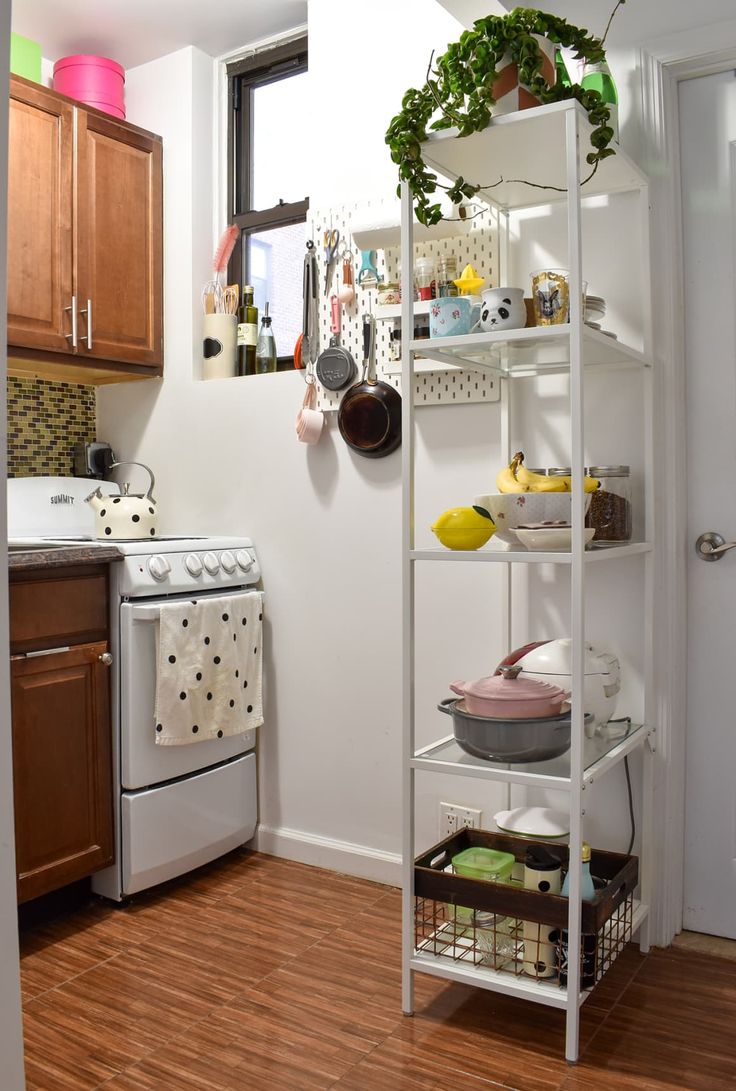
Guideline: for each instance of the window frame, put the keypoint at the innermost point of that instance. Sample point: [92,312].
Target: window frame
[243,76]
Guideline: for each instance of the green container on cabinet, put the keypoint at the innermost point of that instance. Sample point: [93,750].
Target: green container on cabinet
[25,57]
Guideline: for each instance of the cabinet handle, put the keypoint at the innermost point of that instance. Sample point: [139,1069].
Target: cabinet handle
[105,659]
[73,335]
[87,311]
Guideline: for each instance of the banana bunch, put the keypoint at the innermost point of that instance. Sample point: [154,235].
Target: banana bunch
[516,478]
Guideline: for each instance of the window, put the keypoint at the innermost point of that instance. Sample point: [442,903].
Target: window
[268,143]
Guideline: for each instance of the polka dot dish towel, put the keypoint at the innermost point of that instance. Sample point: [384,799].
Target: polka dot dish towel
[208,673]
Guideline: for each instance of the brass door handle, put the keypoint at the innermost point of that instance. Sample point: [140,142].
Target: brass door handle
[105,659]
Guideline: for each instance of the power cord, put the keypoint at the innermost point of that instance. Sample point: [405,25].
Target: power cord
[627,720]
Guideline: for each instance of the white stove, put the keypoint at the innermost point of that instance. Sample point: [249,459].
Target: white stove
[176,807]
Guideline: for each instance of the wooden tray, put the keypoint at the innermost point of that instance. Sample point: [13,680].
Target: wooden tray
[510,899]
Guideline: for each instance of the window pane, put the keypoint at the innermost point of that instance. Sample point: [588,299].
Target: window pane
[276,264]
[282,139]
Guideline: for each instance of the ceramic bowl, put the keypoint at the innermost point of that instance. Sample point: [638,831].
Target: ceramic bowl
[508,510]
[550,539]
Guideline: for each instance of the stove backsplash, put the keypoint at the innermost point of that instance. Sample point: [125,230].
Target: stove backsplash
[45,420]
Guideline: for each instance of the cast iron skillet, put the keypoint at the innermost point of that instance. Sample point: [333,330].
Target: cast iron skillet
[370,412]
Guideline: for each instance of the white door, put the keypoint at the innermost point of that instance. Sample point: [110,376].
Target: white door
[708,153]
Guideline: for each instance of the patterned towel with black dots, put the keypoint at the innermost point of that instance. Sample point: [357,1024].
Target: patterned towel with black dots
[208,668]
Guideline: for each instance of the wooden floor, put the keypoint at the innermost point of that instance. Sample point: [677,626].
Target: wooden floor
[257,974]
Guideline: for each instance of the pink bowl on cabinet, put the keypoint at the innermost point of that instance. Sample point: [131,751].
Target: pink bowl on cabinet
[508,697]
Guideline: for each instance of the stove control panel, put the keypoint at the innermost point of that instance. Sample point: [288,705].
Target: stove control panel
[200,566]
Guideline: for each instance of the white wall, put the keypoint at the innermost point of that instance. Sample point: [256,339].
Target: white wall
[326,522]
[11,1030]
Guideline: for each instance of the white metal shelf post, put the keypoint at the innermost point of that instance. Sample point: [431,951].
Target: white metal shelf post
[408,775]
[577,584]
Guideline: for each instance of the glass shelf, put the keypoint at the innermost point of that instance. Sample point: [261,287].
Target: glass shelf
[529,352]
[529,556]
[529,145]
[600,754]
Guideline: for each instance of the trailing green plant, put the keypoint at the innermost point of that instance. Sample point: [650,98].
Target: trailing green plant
[459,92]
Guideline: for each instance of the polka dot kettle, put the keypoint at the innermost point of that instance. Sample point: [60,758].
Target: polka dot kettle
[126,517]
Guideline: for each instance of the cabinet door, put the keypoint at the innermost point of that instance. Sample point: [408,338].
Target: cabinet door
[119,241]
[62,774]
[40,156]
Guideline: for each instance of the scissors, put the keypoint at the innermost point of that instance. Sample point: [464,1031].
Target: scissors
[331,240]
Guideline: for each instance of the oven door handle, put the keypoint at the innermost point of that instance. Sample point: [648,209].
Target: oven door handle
[149,612]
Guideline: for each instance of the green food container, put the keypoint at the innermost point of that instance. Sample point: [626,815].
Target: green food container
[481,863]
[25,57]
[478,862]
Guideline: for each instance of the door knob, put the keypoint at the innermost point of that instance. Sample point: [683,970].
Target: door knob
[105,659]
[711,546]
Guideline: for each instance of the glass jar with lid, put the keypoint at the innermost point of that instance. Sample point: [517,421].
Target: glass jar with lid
[610,511]
[447,275]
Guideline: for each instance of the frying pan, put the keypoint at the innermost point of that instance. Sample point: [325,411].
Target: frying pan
[369,418]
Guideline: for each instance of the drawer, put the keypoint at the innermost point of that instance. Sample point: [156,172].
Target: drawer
[57,608]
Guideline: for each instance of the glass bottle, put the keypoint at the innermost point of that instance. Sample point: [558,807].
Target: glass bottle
[266,358]
[562,73]
[447,275]
[588,940]
[610,508]
[247,333]
[597,77]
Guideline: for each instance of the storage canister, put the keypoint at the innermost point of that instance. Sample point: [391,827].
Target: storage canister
[610,505]
[95,81]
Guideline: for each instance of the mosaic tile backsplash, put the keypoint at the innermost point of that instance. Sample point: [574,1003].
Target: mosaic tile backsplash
[45,420]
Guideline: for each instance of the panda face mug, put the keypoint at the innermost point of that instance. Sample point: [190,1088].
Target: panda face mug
[502,309]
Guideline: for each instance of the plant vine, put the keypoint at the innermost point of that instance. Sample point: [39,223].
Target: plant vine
[459,92]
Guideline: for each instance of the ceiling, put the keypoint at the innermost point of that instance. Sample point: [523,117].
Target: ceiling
[135,31]
[639,21]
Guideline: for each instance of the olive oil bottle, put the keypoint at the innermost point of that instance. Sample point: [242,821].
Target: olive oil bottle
[247,333]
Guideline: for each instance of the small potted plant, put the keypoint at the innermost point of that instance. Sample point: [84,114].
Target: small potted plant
[464,84]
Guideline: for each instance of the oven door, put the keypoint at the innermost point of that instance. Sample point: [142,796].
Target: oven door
[142,762]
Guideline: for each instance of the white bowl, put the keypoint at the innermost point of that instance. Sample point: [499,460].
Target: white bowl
[507,510]
[550,539]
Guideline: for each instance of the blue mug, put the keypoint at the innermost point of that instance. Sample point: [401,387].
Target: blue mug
[451,316]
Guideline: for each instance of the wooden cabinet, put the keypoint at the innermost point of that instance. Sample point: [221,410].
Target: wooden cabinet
[85,239]
[60,693]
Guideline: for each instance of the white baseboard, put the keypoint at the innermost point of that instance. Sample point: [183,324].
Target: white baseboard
[343,856]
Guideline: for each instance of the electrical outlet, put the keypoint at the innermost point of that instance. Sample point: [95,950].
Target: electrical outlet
[453,816]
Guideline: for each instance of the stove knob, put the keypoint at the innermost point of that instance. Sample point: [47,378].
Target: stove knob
[227,561]
[159,567]
[244,559]
[193,565]
[211,563]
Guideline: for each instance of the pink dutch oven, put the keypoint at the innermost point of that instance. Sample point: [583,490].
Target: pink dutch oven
[508,697]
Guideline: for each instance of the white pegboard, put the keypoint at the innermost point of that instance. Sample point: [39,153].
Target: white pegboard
[441,387]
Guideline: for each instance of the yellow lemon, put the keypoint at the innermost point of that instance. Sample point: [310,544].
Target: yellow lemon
[463,528]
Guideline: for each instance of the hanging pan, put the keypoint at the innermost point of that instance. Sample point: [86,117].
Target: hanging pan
[369,418]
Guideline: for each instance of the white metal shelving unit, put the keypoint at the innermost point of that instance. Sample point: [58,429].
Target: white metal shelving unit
[551,141]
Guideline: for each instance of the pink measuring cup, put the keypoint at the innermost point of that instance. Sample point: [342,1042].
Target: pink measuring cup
[309,421]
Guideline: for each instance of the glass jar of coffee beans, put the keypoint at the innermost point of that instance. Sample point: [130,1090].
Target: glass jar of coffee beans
[610,505]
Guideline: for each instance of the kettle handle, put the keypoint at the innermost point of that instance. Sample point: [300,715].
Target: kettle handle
[149,471]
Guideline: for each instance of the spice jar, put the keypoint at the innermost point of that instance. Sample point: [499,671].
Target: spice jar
[425,278]
[610,505]
[447,275]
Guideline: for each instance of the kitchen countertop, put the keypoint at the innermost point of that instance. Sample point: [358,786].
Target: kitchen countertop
[24,560]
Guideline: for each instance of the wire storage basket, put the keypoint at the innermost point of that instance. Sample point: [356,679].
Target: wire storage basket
[507,928]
